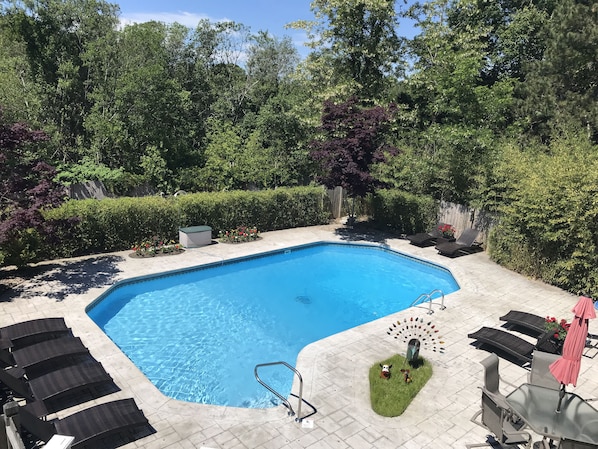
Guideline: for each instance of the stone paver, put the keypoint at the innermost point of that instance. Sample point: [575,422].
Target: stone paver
[335,370]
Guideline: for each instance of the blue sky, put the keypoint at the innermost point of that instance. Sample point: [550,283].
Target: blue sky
[267,15]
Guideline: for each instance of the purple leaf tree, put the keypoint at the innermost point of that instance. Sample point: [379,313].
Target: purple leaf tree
[26,189]
[352,141]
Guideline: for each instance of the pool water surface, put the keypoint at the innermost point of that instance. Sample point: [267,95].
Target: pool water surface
[197,334]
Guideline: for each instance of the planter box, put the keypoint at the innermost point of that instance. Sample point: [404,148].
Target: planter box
[195,236]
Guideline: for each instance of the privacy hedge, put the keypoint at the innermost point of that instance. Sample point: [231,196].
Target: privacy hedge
[549,219]
[117,224]
[403,212]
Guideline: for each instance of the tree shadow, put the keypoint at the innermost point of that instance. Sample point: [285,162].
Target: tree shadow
[58,280]
[363,232]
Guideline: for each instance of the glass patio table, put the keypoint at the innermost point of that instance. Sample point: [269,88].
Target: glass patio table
[536,405]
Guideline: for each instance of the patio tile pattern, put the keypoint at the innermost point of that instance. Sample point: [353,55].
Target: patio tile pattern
[335,370]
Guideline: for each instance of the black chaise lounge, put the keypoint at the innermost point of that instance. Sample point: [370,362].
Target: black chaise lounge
[426,238]
[120,422]
[465,243]
[20,335]
[525,320]
[508,343]
[62,388]
[41,358]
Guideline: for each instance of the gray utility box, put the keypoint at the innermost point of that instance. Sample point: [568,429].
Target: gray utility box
[195,236]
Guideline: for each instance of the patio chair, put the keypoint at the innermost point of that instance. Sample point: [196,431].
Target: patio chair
[525,320]
[62,388]
[41,358]
[506,342]
[426,238]
[464,244]
[495,413]
[540,373]
[119,422]
[20,335]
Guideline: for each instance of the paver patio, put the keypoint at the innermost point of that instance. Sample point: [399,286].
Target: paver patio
[335,370]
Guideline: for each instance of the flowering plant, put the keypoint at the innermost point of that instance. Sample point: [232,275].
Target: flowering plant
[156,245]
[558,329]
[238,235]
[447,230]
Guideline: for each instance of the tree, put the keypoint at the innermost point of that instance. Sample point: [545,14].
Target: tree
[352,142]
[357,40]
[27,189]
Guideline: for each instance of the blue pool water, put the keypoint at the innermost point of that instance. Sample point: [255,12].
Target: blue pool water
[197,334]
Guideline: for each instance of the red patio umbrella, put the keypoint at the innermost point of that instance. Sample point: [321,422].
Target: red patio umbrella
[566,368]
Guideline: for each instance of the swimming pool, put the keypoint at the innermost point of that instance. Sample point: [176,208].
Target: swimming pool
[198,333]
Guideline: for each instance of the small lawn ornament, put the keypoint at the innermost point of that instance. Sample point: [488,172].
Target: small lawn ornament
[385,371]
[406,376]
[418,334]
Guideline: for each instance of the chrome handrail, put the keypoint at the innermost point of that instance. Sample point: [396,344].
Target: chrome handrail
[277,394]
[428,296]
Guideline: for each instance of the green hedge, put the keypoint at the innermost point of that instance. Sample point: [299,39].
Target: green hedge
[549,220]
[117,224]
[403,212]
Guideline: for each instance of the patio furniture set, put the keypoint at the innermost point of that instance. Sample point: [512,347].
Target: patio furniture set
[465,244]
[47,369]
[541,405]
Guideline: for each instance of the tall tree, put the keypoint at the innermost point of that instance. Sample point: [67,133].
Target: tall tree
[57,33]
[358,40]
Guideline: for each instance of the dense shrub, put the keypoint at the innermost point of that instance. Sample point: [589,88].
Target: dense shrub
[403,212]
[117,224]
[549,222]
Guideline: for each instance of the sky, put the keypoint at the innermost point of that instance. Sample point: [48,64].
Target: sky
[258,15]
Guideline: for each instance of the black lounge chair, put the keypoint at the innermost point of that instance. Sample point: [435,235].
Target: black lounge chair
[41,358]
[465,243]
[62,388]
[528,321]
[118,422]
[20,335]
[426,238]
[508,343]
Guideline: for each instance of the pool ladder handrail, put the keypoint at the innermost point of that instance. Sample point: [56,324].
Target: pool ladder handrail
[277,394]
[428,296]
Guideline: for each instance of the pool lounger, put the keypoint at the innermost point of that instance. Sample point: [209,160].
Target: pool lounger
[120,418]
[525,320]
[509,343]
[20,335]
[41,358]
[62,388]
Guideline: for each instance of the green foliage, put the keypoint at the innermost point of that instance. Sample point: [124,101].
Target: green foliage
[391,397]
[119,224]
[548,227]
[403,212]
[87,170]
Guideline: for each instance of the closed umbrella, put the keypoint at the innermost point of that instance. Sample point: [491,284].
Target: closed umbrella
[566,368]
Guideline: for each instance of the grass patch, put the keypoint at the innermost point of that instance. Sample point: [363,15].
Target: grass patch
[390,397]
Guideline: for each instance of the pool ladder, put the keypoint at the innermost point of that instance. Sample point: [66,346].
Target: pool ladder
[284,400]
[428,296]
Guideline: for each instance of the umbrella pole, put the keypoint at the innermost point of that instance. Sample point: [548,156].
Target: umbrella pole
[561,396]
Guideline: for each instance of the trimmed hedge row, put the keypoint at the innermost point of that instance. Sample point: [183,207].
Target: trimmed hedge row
[117,224]
[403,212]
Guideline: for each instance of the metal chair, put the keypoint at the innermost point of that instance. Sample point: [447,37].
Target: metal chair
[496,415]
[540,372]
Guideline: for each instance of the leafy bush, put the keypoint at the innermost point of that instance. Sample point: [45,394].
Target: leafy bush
[118,224]
[403,212]
[549,220]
